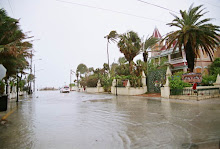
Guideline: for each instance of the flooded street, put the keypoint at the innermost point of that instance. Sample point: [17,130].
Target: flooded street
[53,120]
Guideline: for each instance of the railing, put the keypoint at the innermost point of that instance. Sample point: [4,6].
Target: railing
[205,91]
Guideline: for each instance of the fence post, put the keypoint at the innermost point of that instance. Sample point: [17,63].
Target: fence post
[143,77]
[113,86]
[98,86]
[217,83]
[165,91]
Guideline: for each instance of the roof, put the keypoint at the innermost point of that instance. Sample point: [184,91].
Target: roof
[156,33]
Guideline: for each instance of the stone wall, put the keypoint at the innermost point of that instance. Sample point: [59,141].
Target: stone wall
[128,90]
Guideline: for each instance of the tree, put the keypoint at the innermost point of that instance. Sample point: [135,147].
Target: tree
[149,43]
[214,68]
[122,60]
[82,68]
[130,45]
[14,51]
[194,33]
[112,36]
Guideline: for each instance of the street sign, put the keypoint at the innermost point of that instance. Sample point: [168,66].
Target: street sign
[2,71]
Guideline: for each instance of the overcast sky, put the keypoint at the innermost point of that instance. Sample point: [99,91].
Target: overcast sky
[70,32]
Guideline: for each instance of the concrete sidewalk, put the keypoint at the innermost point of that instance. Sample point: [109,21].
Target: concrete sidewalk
[12,106]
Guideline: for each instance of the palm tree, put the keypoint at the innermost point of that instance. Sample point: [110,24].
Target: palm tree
[112,36]
[122,60]
[81,68]
[194,33]
[130,45]
[149,43]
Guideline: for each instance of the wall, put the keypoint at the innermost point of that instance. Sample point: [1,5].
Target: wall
[94,89]
[129,90]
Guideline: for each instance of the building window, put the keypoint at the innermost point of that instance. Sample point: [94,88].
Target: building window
[156,60]
[206,72]
[176,55]
[164,59]
[198,70]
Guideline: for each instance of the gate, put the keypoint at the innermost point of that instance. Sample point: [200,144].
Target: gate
[155,79]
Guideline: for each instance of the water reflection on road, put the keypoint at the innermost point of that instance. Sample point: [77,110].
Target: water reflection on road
[82,121]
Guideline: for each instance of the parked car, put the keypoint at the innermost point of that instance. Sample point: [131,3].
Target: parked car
[65,89]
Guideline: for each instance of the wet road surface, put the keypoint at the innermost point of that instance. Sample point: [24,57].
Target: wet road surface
[53,120]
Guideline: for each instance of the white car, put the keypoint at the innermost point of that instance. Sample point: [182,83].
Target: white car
[65,89]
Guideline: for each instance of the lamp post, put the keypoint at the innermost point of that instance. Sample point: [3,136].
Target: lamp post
[71,72]
[17,85]
[34,75]
[30,88]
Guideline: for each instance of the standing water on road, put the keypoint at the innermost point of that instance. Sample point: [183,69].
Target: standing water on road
[53,120]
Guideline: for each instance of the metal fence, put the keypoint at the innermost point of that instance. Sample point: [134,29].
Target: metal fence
[203,91]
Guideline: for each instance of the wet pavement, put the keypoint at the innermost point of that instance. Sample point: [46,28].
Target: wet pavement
[53,120]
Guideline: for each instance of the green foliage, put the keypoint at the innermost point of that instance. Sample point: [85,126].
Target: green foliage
[106,83]
[194,33]
[90,81]
[122,60]
[82,68]
[2,87]
[149,43]
[122,70]
[72,85]
[177,83]
[14,50]
[214,68]
[135,81]
[21,84]
[30,77]
[208,80]
[130,45]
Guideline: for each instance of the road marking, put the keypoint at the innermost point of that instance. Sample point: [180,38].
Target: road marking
[8,114]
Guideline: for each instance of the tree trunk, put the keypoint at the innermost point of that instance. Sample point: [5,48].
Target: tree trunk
[130,67]
[108,54]
[190,56]
[145,56]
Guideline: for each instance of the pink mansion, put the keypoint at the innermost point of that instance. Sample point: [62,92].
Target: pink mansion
[177,60]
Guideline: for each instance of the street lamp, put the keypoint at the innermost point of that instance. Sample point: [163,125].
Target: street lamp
[30,90]
[34,74]
[17,85]
[71,72]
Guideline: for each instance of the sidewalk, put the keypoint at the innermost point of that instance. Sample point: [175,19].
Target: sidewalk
[12,106]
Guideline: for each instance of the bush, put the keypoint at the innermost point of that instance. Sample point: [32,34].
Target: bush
[2,87]
[215,67]
[106,83]
[208,80]
[134,80]
[177,83]
[92,81]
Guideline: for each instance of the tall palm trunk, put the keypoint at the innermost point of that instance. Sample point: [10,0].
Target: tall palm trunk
[108,54]
[130,66]
[190,56]
[145,56]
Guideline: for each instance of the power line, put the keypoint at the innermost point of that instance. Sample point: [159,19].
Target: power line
[209,3]
[11,8]
[158,6]
[104,9]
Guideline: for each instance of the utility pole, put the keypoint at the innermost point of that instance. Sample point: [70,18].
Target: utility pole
[34,78]
[71,72]
[17,86]
[30,88]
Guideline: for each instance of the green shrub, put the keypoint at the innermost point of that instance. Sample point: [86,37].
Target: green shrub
[214,68]
[208,80]
[2,87]
[106,83]
[177,83]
